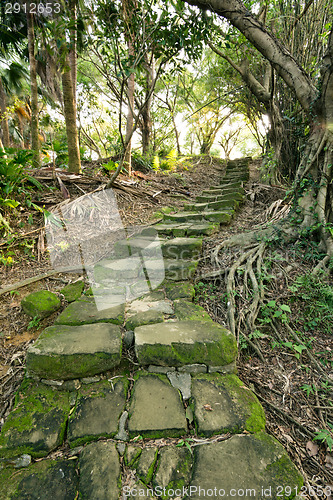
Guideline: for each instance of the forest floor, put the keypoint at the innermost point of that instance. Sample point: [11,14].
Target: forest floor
[293,384]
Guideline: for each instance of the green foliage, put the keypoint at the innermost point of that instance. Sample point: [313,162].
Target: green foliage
[14,178]
[296,348]
[110,166]
[314,294]
[325,436]
[186,442]
[170,162]
[34,323]
[273,310]
[156,163]
[61,151]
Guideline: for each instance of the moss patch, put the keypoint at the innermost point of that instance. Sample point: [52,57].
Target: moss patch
[40,304]
[185,310]
[176,291]
[37,424]
[73,291]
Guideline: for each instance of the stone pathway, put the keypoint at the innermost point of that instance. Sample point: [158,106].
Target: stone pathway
[115,430]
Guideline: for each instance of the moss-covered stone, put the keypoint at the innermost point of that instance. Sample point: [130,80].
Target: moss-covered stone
[84,312]
[176,291]
[256,464]
[221,403]
[156,409]
[186,311]
[97,411]
[47,479]
[173,470]
[73,291]
[132,454]
[37,424]
[99,472]
[183,343]
[146,464]
[40,304]
[182,248]
[144,318]
[67,352]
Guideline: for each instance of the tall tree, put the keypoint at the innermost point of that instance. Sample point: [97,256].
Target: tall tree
[35,146]
[315,167]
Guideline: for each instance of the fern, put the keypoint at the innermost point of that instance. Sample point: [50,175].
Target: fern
[171,159]
[156,163]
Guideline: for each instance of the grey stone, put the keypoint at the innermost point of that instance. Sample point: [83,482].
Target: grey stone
[173,469]
[97,411]
[67,352]
[185,310]
[85,312]
[183,217]
[194,368]
[122,434]
[37,424]
[182,248]
[22,461]
[232,368]
[48,479]
[117,269]
[73,291]
[189,414]
[52,383]
[180,291]
[90,380]
[148,303]
[156,409]
[121,448]
[144,318]
[183,343]
[132,454]
[40,304]
[221,403]
[181,381]
[161,369]
[221,217]
[99,472]
[128,339]
[146,464]
[249,465]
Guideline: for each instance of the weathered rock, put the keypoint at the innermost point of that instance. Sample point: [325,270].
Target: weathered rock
[186,311]
[194,368]
[156,409]
[221,217]
[73,291]
[181,381]
[99,472]
[132,454]
[226,369]
[122,433]
[40,304]
[161,369]
[179,291]
[183,217]
[97,412]
[172,269]
[182,248]
[146,464]
[173,469]
[144,318]
[253,466]
[84,312]
[148,245]
[128,339]
[183,343]
[221,403]
[47,480]
[37,424]
[67,352]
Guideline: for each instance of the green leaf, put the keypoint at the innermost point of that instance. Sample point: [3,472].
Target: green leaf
[271,303]
[286,308]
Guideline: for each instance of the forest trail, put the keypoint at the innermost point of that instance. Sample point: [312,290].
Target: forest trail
[135,388]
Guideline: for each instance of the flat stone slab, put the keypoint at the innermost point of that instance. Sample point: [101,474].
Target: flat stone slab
[182,248]
[117,269]
[73,291]
[221,217]
[185,311]
[65,352]
[173,269]
[180,291]
[85,311]
[156,409]
[47,479]
[37,424]
[214,205]
[97,411]
[99,472]
[183,217]
[184,342]
[174,469]
[244,466]
[221,404]
[130,246]
[149,317]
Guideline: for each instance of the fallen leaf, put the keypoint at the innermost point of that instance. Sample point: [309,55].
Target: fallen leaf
[208,407]
[312,448]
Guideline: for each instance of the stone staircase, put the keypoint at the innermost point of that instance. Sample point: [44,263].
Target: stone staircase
[132,365]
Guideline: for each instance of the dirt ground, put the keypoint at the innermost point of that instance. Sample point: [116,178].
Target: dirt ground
[291,417]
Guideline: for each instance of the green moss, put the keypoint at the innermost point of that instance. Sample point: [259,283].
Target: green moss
[185,310]
[131,459]
[73,291]
[38,422]
[180,291]
[40,304]
[285,473]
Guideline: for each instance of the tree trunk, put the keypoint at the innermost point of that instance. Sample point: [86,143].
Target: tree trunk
[33,84]
[73,48]
[176,134]
[146,111]
[4,120]
[74,163]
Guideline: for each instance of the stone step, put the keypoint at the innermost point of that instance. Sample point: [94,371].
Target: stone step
[209,199]
[222,217]
[183,229]
[172,269]
[177,248]
[182,248]
[225,204]
[65,352]
[183,343]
